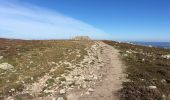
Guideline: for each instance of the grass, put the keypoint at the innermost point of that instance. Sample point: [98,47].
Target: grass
[33,59]
[145,67]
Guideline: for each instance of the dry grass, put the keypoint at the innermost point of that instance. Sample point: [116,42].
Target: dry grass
[34,59]
[145,67]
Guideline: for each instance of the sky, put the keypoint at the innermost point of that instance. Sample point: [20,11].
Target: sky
[123,20]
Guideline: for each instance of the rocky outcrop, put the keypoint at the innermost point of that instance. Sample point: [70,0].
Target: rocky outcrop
[81,38]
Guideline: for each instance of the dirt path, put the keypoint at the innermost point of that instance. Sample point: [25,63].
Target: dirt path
[110,84]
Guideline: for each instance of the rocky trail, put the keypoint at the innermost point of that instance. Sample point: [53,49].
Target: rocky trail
[110,83]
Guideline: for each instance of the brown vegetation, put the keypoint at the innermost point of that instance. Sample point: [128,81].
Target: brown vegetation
[33,59]
[148,72]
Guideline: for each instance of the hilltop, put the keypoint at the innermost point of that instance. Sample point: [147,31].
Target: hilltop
[53,69]
[82,70]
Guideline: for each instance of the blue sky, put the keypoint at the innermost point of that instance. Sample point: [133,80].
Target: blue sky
[126,20]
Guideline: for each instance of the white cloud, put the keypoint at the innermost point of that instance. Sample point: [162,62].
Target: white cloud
[32,22]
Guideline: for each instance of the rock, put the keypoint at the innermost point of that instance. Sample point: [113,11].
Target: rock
[82,78]
[31,62]
[10,98]
[128,52]
[166,56]
[91,90]
[77,82]
[12,89]
[163,81]
[125,55]
[95,77]
[98,68]
[6,66]
[152,87]
[69,79]
[1,57]
[32,78]
[164,97]
[62,91]
[87,93]
[81,38]
[48,91]
[143,59]
[60,98]
[70,88]
[84,86]
[53,98]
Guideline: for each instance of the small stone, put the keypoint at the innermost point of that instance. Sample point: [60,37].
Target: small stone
[63,91]
[98,68]
[87,93]
[60,98]
[125,55]
[31,62]
[91,90]
[163,81]
[10,98]
[70,88]
[48,91]
[7,81]
[152,87]
[1,57]
[128,52]
[95,77]
[53,98]
[84,86]
[12,89]
[32,78]
[163,96]
[143,59]
[6,66]
[69,79]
